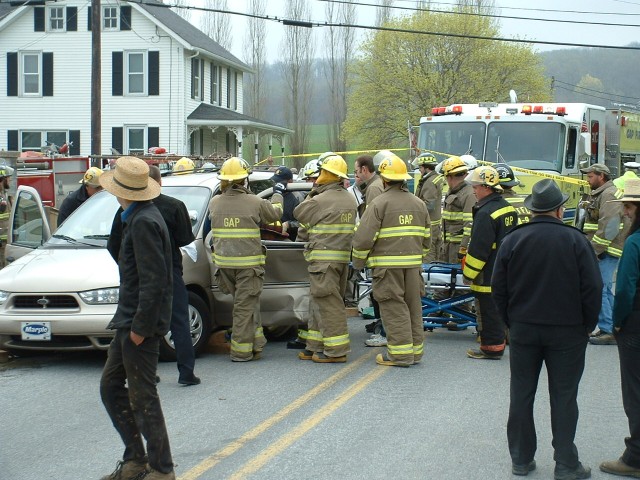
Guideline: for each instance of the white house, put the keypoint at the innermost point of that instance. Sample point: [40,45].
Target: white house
[164,82]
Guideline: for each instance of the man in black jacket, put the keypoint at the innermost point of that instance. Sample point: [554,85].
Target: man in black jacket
[547,286]
[176,216]
[90,185]
[141,319]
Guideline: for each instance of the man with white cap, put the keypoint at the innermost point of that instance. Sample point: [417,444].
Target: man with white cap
[142,318]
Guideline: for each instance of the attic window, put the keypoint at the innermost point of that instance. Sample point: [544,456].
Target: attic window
[110,17]
[56,19]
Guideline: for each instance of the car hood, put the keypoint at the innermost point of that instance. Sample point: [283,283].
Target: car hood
[60,270]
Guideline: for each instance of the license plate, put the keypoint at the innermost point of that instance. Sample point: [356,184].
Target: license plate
[36,331]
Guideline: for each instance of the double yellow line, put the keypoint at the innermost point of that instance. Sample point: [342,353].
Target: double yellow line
[287,440]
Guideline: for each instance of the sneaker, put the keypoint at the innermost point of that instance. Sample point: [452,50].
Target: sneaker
[523,470]
[480,355]
[305,354]
[603,338]
[129,470]
[189,381]
[319,357]
[376,340]
[384,360]
[563,473]
[156,475]
[618,467]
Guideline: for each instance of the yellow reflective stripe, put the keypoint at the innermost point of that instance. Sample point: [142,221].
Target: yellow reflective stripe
[259,333]
[336,341]
[389,232]
[4,216]
[303,334]
[600,241]
[418,349]
[394,261]
[453,215]
[400,349]
[453,238]
[277,205]
[236,232]
[436,222]
[590,227]
[481,288]
[361,253]
[314,335]
[467,216]
[618,193]
[233,262]
[616,252]
[344,228]
[466,231]
[425,252]
[327,255]
[503,211]
[241,347]
[474,263]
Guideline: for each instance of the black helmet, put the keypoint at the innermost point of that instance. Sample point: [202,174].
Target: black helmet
[507,178]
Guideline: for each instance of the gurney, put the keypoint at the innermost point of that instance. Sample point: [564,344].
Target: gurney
[442,279]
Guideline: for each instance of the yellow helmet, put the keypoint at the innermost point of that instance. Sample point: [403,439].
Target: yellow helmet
[334,164]
[392,168]
[424,159]
[454,165]
[183,166]
[484,175]
[91,177]
[234,168]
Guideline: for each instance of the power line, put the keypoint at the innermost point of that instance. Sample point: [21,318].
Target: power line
[309,24]
[593,90]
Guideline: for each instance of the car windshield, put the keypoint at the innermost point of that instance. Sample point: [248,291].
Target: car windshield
[91,222]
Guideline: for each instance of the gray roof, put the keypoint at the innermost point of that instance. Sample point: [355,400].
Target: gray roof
[190,34]
[5,9]
[209,114]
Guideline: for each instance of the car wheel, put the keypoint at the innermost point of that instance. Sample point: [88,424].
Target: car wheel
[200,324]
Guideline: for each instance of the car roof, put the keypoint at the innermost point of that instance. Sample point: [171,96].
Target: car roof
[206,179]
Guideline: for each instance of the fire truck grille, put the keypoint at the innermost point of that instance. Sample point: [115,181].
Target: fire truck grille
[45,301]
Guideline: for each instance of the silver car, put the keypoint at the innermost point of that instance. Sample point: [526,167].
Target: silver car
[61,289]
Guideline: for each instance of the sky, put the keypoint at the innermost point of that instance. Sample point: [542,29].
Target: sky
[615,13]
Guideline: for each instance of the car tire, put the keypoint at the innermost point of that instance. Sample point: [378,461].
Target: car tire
[200,321]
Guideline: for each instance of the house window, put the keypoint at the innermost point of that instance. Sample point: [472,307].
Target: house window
[110,18]
[135,74]
[232,78]
[31,66]
[215,99]
[38,140]
[31,141]
[136,139]
[56,19]
[196,79]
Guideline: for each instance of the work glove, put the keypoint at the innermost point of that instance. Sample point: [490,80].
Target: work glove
[280,188]
[462,252]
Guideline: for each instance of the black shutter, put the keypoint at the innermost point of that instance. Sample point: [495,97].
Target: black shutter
[38,19]
[47,74]
[116,73]
[12,74]
[89,18]
[116,138]
[12,140]
[153,137]
[154,73]
[72,19]
[193,76]
[125,18]
[74,137]
[211,82]
[202,80]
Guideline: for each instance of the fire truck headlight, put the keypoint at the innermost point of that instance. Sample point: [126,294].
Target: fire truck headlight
[101,296]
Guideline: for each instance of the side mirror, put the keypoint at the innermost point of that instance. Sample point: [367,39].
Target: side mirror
[584,149]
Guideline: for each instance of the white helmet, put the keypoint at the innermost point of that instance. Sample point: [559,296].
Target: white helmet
[310,170]
[470,161]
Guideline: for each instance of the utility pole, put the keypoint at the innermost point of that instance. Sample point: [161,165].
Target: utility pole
[96,81]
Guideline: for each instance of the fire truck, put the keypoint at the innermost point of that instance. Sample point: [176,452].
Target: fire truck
[622,138]
[538,140]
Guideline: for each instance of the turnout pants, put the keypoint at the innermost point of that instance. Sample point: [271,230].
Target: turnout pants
[491,327]
[328,331]
[181,327]
[436,244]
[135,408]
[629,351]
[562,349]
[398,291]
[245,284]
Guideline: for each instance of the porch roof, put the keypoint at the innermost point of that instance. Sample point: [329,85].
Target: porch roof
[211,116]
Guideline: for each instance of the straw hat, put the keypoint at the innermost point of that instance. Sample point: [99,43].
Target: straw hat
[130,180]
[631,191]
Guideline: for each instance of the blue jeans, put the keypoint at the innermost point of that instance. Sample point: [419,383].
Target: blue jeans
[608,265]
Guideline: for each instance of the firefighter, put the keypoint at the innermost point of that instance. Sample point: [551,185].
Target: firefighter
[183,166]
[456,213]
[430,190]
[90,185]
[493,218]
[393,239]
[508,180]
[238,253]
[630,169]
[328,214]
[606,229]
[367,180]
[6,204]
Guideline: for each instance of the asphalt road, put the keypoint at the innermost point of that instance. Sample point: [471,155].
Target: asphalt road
[282,418]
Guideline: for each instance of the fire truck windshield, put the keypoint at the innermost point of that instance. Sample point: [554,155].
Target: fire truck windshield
[444,139]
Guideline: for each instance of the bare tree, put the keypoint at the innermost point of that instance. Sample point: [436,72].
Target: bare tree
[383,12]
[180,10]
[255,56]
[340,48]
[217,25]
[297,56]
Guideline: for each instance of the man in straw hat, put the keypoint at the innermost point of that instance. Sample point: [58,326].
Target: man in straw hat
[141,319]
[546,285]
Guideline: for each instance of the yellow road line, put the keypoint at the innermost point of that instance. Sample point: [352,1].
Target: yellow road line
[236,445]
[285,441]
